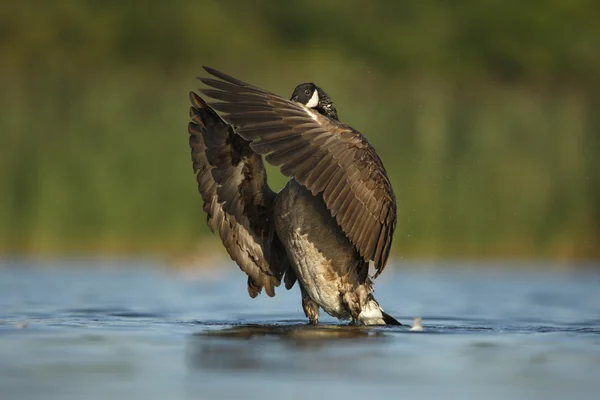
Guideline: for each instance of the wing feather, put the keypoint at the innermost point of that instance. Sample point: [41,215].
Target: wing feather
[326,156]
[237,200]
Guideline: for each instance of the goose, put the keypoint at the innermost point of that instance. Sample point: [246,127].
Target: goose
[335,215]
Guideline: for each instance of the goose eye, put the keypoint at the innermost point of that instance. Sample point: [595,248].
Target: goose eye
[307,92]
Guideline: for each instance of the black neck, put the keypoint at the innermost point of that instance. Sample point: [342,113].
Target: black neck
[326,106]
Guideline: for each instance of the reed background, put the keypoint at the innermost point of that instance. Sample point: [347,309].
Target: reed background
[486,115]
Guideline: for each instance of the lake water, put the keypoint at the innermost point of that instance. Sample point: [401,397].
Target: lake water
[133,329]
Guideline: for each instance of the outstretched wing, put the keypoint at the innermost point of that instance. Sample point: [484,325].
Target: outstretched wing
[326,156]
[239,203]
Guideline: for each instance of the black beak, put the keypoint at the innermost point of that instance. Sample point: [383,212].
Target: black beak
[294,98]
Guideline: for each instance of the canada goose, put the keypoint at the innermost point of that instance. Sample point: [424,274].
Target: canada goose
[336,213]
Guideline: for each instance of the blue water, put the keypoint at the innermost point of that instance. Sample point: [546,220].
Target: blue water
[134,329]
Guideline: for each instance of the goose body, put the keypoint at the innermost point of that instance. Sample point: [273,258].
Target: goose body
[335,215]
[331,273]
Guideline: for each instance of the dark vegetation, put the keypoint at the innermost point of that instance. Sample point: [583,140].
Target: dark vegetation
[486,115]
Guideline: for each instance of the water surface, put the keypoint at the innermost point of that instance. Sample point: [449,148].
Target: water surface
[133,329]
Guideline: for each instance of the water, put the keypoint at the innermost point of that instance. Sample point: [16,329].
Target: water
[132,329]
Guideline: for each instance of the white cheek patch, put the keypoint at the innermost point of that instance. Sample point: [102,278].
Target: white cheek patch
[314,100]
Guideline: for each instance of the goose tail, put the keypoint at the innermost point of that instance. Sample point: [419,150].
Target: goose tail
[373,314]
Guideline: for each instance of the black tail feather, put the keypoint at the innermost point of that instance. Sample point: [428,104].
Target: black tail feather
[389,320]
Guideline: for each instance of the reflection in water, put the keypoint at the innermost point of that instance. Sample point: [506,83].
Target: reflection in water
[297,333]
[273,347]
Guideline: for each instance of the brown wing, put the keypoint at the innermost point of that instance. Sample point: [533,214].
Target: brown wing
[239,203]
[326,156]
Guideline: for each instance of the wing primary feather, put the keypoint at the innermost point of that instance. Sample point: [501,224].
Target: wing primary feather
[334,187]
[344,215]
[225,77]
[340,197]
[240,107]
[249,97]
[304,168]
[224,86]
[320,180]
[322,169]
[352,214]
[278,144]
[380,247]
[267,132]
[361,224]
[386,252]
[372,236]
[289,157]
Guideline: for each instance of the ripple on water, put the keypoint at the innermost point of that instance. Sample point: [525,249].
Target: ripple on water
[156,335]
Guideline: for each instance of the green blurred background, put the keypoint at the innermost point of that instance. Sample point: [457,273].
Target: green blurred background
[485,113]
